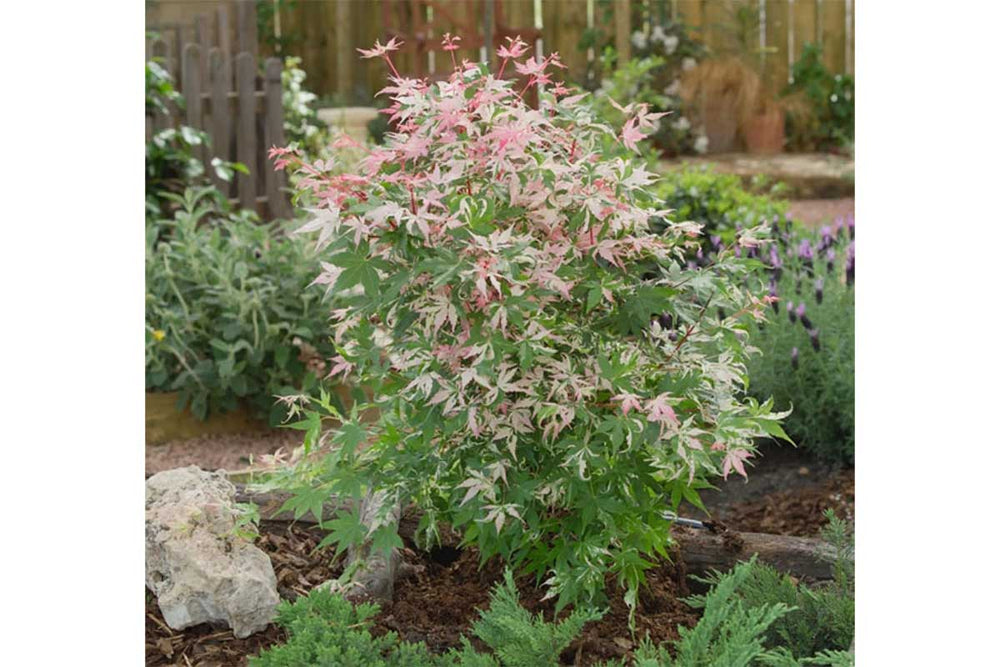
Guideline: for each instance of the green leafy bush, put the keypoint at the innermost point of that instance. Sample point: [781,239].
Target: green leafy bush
[547,377]
[520,640]
[661,55]
[230,313]
[736,630]
[302,124]
[819,619]
[325,629]
[825,119]
[807,360]
[716,200]
[171,160]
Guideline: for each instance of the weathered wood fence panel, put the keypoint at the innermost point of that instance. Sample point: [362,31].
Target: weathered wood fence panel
[332,30]
[230,98]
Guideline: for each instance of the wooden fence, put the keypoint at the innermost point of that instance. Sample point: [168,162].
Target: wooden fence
[325,33]
[226,96]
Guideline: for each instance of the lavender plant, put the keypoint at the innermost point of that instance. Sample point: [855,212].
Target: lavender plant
[547,373]
[807,360]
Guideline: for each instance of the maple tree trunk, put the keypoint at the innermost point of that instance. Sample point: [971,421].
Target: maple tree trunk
[375,572]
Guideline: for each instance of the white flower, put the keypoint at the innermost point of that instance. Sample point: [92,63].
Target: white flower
[658,35]
[670,43]
[673,89]
[681,124]
[688,64]
[639,40]
[701,144]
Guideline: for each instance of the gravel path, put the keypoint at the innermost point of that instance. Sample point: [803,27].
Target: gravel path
[212,452]
[816,212]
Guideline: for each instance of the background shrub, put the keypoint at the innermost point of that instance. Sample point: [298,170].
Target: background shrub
[822,115]
[718,201]
[229,311]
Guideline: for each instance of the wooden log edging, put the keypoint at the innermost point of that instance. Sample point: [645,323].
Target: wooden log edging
[701,550]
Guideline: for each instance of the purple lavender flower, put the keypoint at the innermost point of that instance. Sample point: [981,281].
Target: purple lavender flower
[791,312]
[819,290]
[795,358]
[830,257]
[716,241]
[850,263]
[805,250]
[801,312]
[839,227]
[827,237]
[850,225]
[814,338]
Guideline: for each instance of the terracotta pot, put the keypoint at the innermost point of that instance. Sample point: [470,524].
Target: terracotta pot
[765,133]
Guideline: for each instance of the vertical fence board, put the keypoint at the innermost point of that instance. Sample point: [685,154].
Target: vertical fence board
[246,27]
[777,37]
[849,38]
[191,68]
[805,24]
[223,38]
[689,12]
[343,48]
[274,135]
[222,83]
[623,30]
[246,142]
[203,39]
[832,12]
[562,24]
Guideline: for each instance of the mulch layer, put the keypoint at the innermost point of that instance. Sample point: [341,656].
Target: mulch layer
[438,600]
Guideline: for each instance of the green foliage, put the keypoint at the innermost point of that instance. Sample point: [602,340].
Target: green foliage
[828,122]
[716,200]
[325,629]
[819,619]
[268,19]
[229,311]
[817,384]
[303,127]
[496,284]
[172,163]
[653,77]
[520,640]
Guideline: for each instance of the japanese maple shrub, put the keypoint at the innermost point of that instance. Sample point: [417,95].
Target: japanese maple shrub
[550,377]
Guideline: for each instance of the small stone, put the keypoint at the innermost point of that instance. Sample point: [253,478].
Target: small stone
[198,568]
[803,471]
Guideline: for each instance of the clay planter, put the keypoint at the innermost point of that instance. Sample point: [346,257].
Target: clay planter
[765,133]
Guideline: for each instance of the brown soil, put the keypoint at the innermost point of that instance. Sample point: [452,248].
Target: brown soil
[795,512]
[440,603]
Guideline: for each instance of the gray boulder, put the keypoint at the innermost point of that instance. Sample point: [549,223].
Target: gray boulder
[198,569]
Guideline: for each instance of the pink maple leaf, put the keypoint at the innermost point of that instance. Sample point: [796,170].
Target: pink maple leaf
[380,50]
[734,460]
[631,134]
[629,402]
[515,48]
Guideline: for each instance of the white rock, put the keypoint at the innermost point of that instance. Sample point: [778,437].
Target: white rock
[198,569]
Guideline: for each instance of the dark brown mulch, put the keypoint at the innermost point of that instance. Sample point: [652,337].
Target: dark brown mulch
[290,548]
[441,601]
[794,512]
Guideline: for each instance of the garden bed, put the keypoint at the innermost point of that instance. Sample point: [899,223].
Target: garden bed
[438,597]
